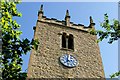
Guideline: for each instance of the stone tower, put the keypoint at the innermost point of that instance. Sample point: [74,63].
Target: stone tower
[66,50]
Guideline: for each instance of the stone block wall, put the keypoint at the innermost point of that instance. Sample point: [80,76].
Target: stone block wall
[44,63]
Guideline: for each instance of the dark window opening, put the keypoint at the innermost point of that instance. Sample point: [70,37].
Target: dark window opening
[67,41]
[70,42]
[68,78]
[64,40]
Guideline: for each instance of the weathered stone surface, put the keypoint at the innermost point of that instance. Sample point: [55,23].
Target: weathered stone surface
[44,63]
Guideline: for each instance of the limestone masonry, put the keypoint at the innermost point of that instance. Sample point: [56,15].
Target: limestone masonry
[57,38]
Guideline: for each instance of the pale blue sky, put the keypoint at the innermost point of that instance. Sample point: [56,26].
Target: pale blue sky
[70,0]
[79,12]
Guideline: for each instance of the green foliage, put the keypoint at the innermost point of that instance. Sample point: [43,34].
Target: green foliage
[12,48]
[115,74]
[111,30]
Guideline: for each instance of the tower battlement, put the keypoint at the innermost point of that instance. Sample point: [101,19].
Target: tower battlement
[65,23]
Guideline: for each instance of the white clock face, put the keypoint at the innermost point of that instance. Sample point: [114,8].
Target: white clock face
[68,60]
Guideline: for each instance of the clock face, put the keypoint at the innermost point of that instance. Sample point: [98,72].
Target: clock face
[68,60]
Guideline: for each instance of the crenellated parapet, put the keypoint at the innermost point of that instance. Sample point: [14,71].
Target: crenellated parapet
[66,22]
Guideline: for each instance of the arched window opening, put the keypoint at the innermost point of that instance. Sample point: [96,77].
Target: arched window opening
[64,40]
[70,42]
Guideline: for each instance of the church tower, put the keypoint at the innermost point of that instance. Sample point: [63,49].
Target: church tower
[66,50]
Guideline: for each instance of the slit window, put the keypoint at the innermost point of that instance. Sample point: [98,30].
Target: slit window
[70,42]
[64,40]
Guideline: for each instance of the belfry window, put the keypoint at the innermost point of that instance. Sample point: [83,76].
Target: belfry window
[64,40]
[70,42]
[67,41]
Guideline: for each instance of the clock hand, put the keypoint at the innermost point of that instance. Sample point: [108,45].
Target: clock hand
[68,57]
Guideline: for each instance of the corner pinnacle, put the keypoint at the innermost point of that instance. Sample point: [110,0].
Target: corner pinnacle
[67,13]
[91,20]
[41,8]
[91,23]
